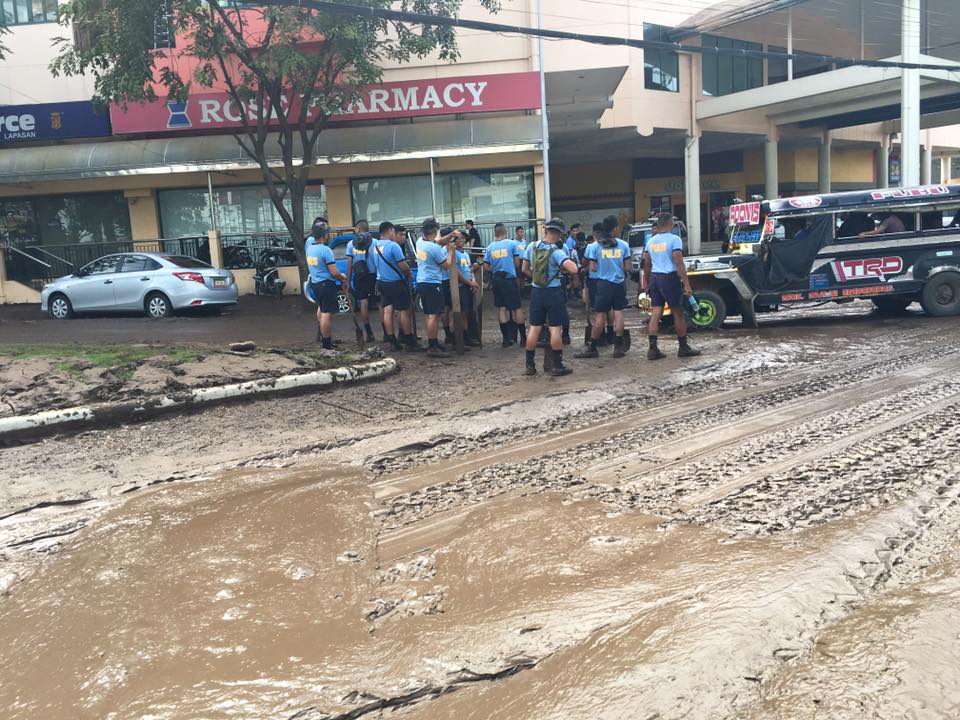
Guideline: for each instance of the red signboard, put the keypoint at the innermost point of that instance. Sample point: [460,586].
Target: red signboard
[412,98]
[745,214]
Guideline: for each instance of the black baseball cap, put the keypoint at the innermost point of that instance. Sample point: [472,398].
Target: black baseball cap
[555,224]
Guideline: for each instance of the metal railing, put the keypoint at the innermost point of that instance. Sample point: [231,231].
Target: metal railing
[32,264]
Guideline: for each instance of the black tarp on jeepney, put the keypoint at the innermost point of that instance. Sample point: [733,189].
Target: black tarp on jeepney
[789,261]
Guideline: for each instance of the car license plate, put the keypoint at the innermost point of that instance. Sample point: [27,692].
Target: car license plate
[219,282]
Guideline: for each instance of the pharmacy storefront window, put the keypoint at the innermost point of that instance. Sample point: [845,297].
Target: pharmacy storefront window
[239,210]
[485,197]
[65,219]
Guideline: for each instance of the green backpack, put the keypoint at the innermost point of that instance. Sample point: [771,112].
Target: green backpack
[541,265]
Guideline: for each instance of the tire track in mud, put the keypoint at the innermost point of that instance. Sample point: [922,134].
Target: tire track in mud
[456,445]
[564,469]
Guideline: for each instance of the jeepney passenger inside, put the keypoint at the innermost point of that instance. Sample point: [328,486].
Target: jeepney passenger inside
[854,224]
[888,223]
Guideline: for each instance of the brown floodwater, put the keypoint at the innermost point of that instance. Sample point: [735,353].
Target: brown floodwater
[254,597]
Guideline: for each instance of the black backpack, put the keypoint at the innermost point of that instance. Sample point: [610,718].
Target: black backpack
[361,268]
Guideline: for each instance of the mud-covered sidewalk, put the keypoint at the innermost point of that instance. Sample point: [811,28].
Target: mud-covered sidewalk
[768,531]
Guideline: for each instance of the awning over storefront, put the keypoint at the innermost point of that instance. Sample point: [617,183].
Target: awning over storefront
[121,158]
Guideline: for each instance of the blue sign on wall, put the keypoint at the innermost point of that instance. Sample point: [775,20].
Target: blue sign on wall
[52,121]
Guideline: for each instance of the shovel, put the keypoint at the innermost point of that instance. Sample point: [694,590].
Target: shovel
[479,311]
[358,331]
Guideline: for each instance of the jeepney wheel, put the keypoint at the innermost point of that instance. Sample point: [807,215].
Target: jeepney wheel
[941,295]
[712,313]
[891,305]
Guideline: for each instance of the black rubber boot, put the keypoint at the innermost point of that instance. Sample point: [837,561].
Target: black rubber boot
[394,344]
[566,334]
[654,352]
[319,335]
[685,349]
[618,347]
[327,343]
[531,368]
[505,331]
[369,330]
[559,369]
[435,350]
[411,344]
[521,332]
[447,336]
[610,335]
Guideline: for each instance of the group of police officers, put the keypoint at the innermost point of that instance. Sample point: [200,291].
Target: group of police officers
[552,264]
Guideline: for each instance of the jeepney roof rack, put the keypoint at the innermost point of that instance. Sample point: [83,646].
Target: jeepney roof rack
[863,200]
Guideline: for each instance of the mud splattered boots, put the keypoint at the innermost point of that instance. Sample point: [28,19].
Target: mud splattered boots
[685,349]
[654,352]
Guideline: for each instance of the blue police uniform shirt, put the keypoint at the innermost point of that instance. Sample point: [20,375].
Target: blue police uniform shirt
[556,260]
[660,248]
[319,256]
[392,252]
[570,244]
[465,265]
[430,257]
[500,256]
[609,260]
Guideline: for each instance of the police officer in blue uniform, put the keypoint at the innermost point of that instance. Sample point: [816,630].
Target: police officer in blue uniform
[362,272]
[434,256]
[665,277]
[324,276]
[503,257]
[609,259]
[393,278]
[544,262]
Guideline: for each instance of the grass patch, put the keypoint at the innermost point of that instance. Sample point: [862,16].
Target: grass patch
[73,358]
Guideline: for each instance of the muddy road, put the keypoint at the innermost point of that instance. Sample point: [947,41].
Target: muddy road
[769,531]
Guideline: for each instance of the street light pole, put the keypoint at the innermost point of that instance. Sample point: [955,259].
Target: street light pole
[544,125]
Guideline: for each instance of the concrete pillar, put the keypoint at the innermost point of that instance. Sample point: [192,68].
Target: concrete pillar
[216,249]
[926,162]
[771,163]
[945,170]
[144,213]
[883,162]
[339,203]
[823,166]
[691,160]
[910,95]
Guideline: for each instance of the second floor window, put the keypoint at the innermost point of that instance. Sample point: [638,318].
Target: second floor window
[661,68]
[26,12]
[725,74]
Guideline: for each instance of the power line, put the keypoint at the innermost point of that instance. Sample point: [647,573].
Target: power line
[440,21]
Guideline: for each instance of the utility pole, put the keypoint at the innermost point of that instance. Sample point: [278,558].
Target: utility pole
[544,124]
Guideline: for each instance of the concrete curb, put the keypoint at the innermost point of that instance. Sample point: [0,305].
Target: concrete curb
[118,412]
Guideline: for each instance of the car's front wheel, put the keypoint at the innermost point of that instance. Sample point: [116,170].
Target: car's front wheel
[343,304]
[59,307]
[158,306]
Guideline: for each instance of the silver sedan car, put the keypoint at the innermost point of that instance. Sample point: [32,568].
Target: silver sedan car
[153,283]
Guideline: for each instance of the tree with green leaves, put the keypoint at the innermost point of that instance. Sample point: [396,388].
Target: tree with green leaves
[292,68]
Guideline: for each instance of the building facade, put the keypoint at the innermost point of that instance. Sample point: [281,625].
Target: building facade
[630,132]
